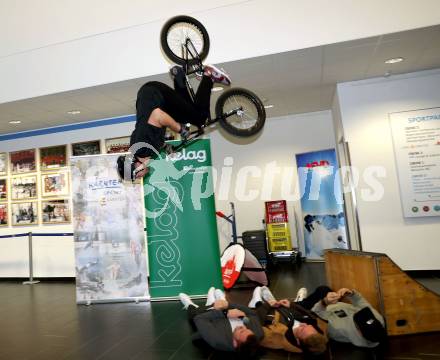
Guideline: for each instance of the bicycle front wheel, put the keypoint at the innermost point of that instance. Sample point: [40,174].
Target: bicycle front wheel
[240,112]
[184,39]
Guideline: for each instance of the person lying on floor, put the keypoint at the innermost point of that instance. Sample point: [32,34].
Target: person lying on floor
[356,322]
[287,325]
[224,326]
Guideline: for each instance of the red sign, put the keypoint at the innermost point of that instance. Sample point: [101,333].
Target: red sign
[316,164]
[232,261]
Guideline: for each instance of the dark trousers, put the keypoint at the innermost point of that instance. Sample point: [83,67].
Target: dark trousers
[319,294]
[192,312]
[175,102]
[199,109]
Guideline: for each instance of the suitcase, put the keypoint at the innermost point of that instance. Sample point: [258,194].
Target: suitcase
[293,257]
[255,242]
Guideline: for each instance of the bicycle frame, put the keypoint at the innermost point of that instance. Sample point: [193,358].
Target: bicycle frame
[188,49]
[193,65]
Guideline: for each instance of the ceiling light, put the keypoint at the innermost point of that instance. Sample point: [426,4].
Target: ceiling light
[14,122]
[268,106]
[74,112]
[217,88]
[394,60]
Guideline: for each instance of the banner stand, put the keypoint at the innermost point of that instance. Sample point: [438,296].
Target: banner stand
[183,247]
[323,215]
[114,301]
[109,236]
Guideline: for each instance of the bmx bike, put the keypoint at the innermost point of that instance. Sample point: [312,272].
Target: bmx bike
[240,112]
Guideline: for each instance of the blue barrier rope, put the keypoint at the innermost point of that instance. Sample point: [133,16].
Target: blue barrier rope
[35,234]
[14,235]
[52,234]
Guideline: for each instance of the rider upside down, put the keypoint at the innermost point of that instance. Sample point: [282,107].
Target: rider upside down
[158,107]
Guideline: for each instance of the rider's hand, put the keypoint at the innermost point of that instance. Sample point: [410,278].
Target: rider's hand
[185,130]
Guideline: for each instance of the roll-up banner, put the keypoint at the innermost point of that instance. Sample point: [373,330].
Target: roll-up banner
[110,252]
[321,204]
[183,248]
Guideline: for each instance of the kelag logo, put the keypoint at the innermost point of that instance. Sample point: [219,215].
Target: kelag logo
[199,155]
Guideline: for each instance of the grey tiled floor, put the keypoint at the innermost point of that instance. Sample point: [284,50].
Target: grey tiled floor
[44,322]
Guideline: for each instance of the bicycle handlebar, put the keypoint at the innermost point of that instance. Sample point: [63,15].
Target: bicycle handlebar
[220,214]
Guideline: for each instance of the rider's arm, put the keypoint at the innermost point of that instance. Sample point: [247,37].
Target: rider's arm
[160,118]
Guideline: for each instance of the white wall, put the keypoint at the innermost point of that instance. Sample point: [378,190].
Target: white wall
[273,153]
[365,105]
[50,46]
[279,141]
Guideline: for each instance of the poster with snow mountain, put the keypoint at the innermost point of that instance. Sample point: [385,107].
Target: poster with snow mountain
[323,218]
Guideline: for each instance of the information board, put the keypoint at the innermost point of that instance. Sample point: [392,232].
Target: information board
[416,138]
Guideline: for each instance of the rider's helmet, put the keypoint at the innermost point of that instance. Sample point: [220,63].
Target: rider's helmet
[126,164]
[126,167]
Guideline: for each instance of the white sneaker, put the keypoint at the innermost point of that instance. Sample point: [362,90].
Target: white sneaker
[219,295]
[301,294]
[266,294]
[217,75]
[211,296]
[256,297]
[186,301]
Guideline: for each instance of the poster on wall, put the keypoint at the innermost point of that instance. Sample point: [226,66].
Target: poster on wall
[416,140]
[86,148]
[183,247]
[24,213]
[3,163]
[22,161]
[3,189]
[3,214]
[55,211]
[322,209]
[109,237]
[52,158]
[54,184]
[117,145]
[24,187]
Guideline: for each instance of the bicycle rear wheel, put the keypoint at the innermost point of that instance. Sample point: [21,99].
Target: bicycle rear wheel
[175,34]
[247,112]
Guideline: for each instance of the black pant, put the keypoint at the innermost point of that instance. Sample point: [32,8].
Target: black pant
[192,312]
[319,294]
[197,110]
[175,102]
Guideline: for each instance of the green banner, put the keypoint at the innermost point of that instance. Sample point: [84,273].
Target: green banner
[183,248]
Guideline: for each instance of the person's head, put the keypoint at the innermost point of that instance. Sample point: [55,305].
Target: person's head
[369,326]
[245,342]
[132,168]
[240,335]
[310,339]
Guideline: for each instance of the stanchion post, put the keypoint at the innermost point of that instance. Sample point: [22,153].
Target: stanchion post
[31,264]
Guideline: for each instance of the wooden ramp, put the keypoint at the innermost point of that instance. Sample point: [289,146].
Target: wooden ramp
[407,306]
